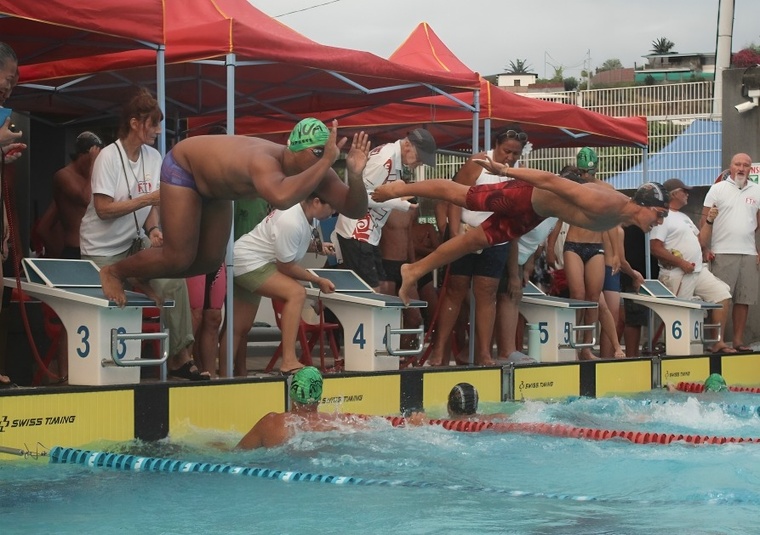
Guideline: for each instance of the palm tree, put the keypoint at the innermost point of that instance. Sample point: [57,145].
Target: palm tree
[663,45]
[519,66]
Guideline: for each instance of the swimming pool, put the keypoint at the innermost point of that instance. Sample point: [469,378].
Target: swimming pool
[446,482]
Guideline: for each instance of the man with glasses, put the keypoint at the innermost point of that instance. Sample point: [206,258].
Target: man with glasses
[201,176]
[358,239]
[730,237]
[676,246]
[521,205]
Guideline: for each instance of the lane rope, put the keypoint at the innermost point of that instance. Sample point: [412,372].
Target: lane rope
[698,388]
[570,431]
[136,463]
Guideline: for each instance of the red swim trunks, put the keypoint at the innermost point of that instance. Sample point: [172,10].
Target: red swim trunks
[510,202]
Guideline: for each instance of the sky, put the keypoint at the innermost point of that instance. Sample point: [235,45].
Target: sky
[487,34]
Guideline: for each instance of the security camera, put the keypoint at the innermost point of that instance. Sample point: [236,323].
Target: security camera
[747,106]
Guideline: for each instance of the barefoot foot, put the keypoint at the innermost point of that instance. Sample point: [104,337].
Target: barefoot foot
[113,286]
[587,355]
[408,281]
[143,286]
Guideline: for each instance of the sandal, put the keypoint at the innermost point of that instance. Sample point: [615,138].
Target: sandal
[186,371]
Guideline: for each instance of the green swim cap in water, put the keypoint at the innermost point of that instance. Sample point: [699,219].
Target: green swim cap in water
[715,383]
[306,386]
[307,134]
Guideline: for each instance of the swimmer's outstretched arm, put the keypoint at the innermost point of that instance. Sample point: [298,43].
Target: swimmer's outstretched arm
[534,177]
[444,190]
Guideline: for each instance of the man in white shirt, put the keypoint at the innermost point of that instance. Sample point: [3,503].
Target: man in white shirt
[730,235]
[358,239]
[676,246]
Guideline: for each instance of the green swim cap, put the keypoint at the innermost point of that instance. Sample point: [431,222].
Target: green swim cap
[307,134]
[587,160]
[306,386]
[715,383]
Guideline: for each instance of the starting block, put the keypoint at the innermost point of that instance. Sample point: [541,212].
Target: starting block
[104,341]
[556,320]
[683,318]
[369,320]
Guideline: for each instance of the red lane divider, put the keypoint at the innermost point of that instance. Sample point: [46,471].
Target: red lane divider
[698,388]
[562,430]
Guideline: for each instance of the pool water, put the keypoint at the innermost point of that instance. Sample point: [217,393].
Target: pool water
[446,482]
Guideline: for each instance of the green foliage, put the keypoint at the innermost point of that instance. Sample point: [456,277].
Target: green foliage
[571,84]
[518,66]
[663,45]
[610,65]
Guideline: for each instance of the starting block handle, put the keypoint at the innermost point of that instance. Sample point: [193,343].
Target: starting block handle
[117,337]
[420,333]
[575,329]
[707,326]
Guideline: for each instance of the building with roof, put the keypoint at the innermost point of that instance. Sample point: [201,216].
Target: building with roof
[676,67]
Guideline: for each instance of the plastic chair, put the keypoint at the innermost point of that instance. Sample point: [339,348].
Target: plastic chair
[151,323]
[308,336]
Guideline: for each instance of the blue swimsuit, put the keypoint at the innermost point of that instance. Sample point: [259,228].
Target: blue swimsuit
[172,173]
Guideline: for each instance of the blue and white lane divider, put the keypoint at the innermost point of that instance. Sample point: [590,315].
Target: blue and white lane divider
[135,463]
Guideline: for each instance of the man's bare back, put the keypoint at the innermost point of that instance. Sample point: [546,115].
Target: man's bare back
[71,192]
[223,165]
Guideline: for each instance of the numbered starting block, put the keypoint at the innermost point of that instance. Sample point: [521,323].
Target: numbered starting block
[683,319]
[371,321]
[104,341]
[556,321]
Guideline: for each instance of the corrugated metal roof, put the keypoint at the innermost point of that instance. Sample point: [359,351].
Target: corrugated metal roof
[694,156]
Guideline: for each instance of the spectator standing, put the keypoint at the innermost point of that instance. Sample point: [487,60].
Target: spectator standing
[124,208]
[72,190]
[11,149]
[676,245]
[483,269]
[359,239]
[730,236]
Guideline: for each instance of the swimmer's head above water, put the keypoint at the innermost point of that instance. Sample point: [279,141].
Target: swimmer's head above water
[463,400]
[715,383]
[306,386]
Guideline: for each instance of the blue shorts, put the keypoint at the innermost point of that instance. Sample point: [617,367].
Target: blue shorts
[172,173]
[489,263]
[611,282]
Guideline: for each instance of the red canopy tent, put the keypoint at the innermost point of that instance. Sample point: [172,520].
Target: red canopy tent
[549,124]
[56,30]
[273,69]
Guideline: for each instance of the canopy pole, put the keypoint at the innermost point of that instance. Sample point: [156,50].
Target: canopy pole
[161,95]
[229,257]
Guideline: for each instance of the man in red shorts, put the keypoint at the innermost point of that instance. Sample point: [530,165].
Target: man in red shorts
[520,205]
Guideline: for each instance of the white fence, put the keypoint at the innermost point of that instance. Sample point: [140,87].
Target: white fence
[671,111]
